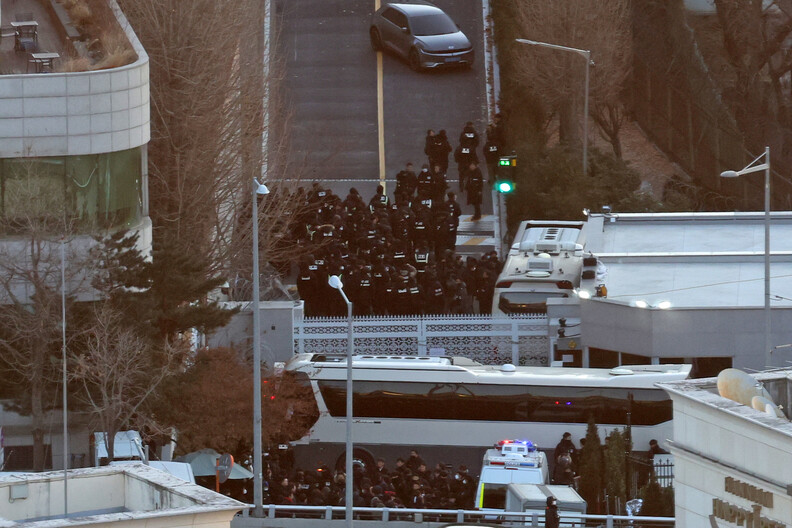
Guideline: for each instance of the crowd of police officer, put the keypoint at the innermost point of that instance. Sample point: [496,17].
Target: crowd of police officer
[410,484]
[397,257]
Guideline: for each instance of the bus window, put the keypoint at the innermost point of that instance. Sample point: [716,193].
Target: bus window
[527,302]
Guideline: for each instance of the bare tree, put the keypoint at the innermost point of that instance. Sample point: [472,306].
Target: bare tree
[220,382]
[557,78]
[218,122]
[119,372]
[35,222]
[755,38]
[208,86]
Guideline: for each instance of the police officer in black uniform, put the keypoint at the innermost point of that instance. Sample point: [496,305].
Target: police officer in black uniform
[422,227]
[379,202]
[380,279]
[406,182]
[364,285]
[307,280]
[421,258]
[425,182]
[466,152]
[492,151]
[475,188]
[439,182]
[552,518]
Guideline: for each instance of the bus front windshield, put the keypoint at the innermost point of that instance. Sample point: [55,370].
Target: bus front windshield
[527,302]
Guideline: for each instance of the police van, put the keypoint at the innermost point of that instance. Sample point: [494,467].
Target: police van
[509,462]
[547,260]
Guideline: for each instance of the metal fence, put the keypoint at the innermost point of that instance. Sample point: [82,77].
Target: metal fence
[642,468]
[490,340]
[283,516]
[679,105]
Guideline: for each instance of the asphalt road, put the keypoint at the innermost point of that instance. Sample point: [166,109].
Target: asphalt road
[331,85]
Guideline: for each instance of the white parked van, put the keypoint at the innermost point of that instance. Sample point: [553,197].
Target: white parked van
[511,462]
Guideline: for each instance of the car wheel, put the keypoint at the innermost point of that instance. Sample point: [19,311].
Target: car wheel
[376,41]
[415,60]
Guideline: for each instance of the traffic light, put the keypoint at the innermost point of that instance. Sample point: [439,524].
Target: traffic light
[505,174]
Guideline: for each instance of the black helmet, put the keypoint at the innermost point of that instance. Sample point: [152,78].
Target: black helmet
[551,500]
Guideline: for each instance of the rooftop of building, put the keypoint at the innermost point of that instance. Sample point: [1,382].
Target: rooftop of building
[117,494]
[693,259]
[778,384]
[61,35]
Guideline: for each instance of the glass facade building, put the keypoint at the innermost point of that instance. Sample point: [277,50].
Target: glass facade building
[91,192]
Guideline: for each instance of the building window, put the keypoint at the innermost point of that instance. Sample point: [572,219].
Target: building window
[90,192]
[20,458]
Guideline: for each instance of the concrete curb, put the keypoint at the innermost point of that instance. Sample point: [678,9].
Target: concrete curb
[492,76]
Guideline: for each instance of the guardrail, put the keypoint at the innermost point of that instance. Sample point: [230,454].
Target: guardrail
[282,515]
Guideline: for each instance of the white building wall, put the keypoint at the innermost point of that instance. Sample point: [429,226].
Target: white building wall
[122,496]
[714,442]
[77,113]
[17,432]
[68,114]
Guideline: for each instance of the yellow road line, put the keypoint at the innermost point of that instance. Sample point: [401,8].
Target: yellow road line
[474,241]
[380,119]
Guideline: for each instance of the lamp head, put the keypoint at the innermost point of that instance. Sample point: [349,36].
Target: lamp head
[729,174]
[641,304]
[260,187]
[664,305]
[335,282]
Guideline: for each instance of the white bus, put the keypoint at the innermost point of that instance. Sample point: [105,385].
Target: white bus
[452,408]
[546,260]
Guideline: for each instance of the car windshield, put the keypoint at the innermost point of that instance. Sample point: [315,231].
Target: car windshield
[437,24]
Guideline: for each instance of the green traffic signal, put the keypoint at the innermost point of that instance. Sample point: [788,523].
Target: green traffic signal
[504,186]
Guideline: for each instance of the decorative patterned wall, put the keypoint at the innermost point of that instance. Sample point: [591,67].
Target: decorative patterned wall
[494,341]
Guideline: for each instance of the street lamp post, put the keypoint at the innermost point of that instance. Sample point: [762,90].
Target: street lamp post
[259,189]
[65,382]
[335,282]
[751,168]
[586,55]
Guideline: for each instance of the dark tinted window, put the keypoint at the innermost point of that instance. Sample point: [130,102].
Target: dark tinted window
[526,302]
[437,24]
[397,17]
[20,458]
[389,15]
[494,496]
[400,19]
[506,403]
